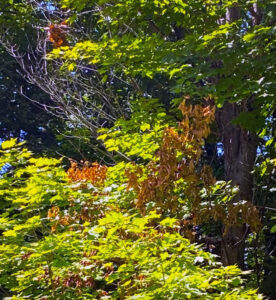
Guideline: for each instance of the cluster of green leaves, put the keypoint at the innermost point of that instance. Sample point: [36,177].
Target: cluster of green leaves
[116,254]
[185,42]
[15,14]
[196,51]
[141,135]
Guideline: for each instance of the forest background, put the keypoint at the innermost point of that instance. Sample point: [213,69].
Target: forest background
[135,131]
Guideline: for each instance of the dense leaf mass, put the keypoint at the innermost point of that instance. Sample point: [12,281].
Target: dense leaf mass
[65,237]
[138,149]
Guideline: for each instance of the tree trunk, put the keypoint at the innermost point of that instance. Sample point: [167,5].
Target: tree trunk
[239,156]
[233,13]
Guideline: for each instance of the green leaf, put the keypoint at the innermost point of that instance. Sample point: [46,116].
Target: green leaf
[273,229]
[9,144]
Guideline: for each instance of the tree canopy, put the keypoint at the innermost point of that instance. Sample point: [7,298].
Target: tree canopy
[148,170]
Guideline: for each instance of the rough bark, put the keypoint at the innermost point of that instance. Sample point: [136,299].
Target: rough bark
[233,13]
[240,147]
[239,156]
[256,14]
